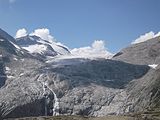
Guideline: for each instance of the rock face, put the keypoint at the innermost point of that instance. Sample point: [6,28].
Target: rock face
[144,53]
[143,92]
[31,86]
[95,88]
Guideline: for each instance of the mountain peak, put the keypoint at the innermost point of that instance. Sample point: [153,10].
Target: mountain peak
[6,36]
[37,45]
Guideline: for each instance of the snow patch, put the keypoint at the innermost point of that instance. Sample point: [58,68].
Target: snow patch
[10,76]
[153,66]
[15,59]
[21,74]
[36,48]
[109,80]
[7,68]
[1,40]
[42,46]
[58,47]
[16,46]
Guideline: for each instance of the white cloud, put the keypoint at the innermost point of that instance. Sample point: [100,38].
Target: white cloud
[96,50]
[146,37]
[98,45]
[43,33]
[12,1]
[21,33]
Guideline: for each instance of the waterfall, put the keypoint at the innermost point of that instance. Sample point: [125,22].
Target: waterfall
[56,105]
[45,102]
[55,109]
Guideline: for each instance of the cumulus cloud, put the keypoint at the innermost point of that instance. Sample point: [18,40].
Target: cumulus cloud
[146,37]
[96,50]
[43,33]
[21,33]
[98,45]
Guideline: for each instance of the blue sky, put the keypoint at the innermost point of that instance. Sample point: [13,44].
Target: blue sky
[78,23]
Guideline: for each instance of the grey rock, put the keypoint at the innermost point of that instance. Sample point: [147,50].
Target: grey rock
[144,53]
[143,92]
[33,87]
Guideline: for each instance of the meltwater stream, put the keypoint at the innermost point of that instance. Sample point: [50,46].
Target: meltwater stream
[44,94]
[55,109]
[56,103]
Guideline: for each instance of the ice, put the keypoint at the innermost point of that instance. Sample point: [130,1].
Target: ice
[153,66]
[36,48]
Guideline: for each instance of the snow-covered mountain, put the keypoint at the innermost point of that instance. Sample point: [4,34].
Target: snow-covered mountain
[36,45]
[9,47]
[69,85]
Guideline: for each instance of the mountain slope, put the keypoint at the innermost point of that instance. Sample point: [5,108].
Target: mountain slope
[9,52]
[144,53]
[85,88]
[15,65]
[36,45]
[76,86]
[5,35]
